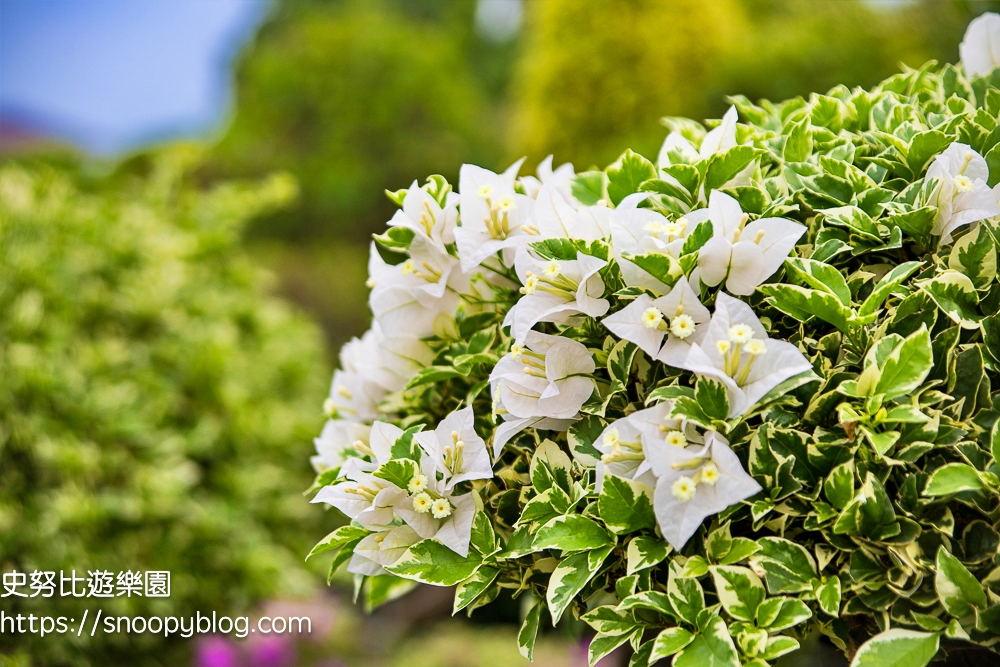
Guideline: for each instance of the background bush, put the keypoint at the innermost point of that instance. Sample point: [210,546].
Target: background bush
[156,407]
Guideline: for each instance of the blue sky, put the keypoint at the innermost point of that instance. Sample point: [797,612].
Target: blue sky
[110,75]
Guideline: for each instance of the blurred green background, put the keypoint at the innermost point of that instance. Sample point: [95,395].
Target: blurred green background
[161,380]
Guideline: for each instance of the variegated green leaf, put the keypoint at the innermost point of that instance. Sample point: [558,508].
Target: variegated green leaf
[569,578]
[645,551]
[625,505]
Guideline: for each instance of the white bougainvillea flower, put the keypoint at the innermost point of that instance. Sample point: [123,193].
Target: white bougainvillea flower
[548,376]
[379,550]
[736,350]
[555,291]
[554,216]
[456,450]
[398,309]
[434,512]
[963,197]
[693,483]
[677,144]
[493,216]
[721,138]
[381,439]
[363,498]
[422,213]
[428,273]
[400,357]
[623,443]
[742,254]
[980,48]
[364,378]
[639,231]
[559,179]
[509,426]
[679,317]
[353,397]
[338,442]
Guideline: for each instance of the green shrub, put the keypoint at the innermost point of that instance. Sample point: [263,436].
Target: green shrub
[155,403]
[353,97]
[547,406]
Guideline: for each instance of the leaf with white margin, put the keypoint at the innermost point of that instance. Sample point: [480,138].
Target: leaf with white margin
[625,505]
[907,365]
[569,578]
[430,562]
[956,296]
[953,478]
[740,590]
[897,648]
[644,552]
[959,591]
[788,567]
[573,533]
[712,647]
[670,641]
[529,630]
[467,591]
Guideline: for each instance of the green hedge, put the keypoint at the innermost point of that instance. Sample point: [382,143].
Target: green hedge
[156,406]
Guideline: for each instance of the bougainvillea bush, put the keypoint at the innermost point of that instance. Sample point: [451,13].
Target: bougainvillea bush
[711,403]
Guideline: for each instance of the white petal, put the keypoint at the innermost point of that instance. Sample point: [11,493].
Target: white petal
[781,361]
[456,532]
[383,437]
[713,260]
[627,325]
[980,49]
[746,269]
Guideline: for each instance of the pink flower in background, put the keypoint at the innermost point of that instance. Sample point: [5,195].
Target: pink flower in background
[216,652]
[273,651]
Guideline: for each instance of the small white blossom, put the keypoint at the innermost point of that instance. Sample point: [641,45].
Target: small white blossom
[456,450]
[679,317]
[549,379]
[383,549]
[559,179]
[492,214]
[422,213]
[721,138]
[558,292]
[435,513]
[640,231]
[554,216]
[340,439]
[694,483]
[735,349]
[742,254]
[366,499]
[624,442]
[963,196]
[980,48]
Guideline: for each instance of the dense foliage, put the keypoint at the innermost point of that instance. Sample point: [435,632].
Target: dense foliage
[711,403]
[154,401]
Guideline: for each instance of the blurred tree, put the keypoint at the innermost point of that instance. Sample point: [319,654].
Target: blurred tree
[156,408]
[357,96]
[596,76]
[794,47]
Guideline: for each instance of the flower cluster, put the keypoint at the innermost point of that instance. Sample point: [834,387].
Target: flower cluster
[767,358]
